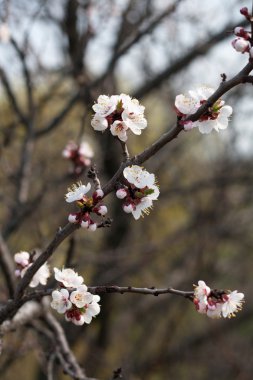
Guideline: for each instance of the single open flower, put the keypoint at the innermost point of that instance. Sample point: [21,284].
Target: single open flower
[76,192]
[40,276]
[68,277]
[232,304]
[61,301]
[216,117]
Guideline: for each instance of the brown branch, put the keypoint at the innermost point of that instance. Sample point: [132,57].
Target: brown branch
[181,63]
[39,294]
[12,98]
[240,78]
[146,291]
[27,77]
[60,116]
[133,40]
[7,265]
[61,235]
[70,363]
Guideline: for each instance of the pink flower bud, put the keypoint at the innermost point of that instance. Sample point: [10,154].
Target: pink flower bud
[72,218]
[84,224]
[102,210]
[121,193]
[244,11]
[241,32]
[92,227]
[98,194]
[128,208]
[240,45]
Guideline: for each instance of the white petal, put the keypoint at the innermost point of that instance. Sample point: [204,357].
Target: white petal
[205,127]
[226,111]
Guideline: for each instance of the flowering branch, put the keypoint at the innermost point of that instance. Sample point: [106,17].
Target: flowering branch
[147,291]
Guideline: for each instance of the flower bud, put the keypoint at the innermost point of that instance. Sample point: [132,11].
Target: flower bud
[239,31]
[245,12]
[128,208]
[240,45]
[102,210]
[72,218]
[92,227]
[98,194]
[84,224]
[121,193]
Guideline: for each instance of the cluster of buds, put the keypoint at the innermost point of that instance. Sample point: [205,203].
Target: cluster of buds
[73,299]
[23,261]
[87,205]
[139,191]
[242,42]
[216,117]
[119,113]
[217,303]
[79,155]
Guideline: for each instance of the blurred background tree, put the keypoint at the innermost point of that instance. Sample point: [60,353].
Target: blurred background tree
[60,57]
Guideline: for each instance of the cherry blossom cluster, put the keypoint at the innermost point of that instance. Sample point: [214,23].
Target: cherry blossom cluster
[87,205]
[242,42]
[119,113]
[217,303]
[138,192]
[23,261]
[216,117]
[73,299]
[79,155]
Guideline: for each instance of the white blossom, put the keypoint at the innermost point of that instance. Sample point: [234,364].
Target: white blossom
[76,192]
[119,112]
[68,277]
[138,176]
[61,301]
[40,276]
[119,128]
[105,105]
[202,290]
[80,297]
[145,204]
[99,123]
[91,309]
[133,116]
[216,116]
[233,303]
